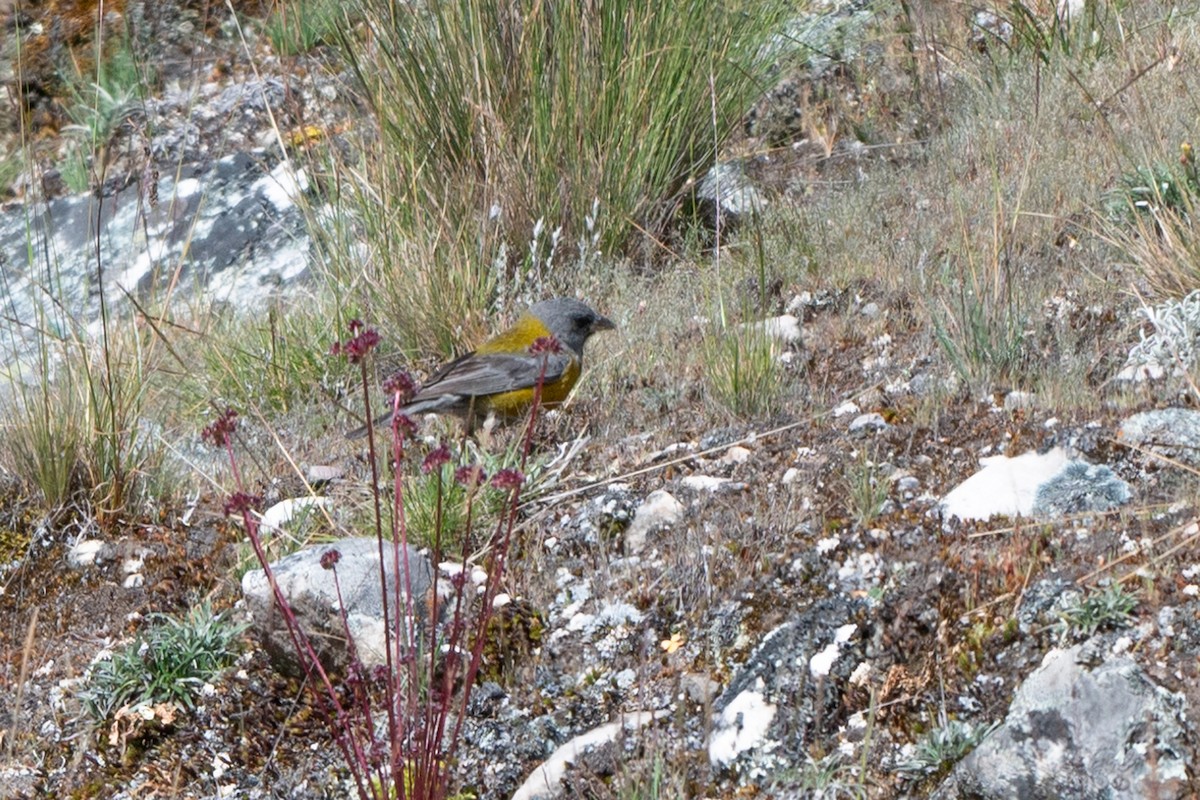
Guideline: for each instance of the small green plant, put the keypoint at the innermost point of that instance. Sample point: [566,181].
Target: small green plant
[99,104]
[866,488]
[11,165]
[1151,219]
[828,778]
[299,26]
[651,785]
[1161,186]
[742,370]
[1110,607]
[80,422]
[943,747]
[169,663]
[981,327]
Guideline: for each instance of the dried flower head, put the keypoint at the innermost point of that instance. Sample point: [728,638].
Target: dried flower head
[400,383]
[404,426]
[220,430]
[330,558]
[241,502]
[546,345]
[508,480]
[361,342]
[470,476]
[435,458]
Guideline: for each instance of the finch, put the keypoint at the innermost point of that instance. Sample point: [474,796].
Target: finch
[501,376]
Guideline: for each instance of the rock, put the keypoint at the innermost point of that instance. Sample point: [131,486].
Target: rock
[317,474]
[846,409]
[709,483]
[1043,601]
[85,553]
[546,780]
[726,195]
[813,44]
[1019,401]
[989,27]
[736,455]
[699,688]
[1005,486]
[1104,731]
[659,510]
[1171,432]
[227,230]
[784,329]
[294,509]
[741,725]
[1080,487]
[310,591]
[864,424]
[795,679]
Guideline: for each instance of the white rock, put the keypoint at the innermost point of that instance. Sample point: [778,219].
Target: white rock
[845,409]
[736,455]
[741,726]
[1016,401]
[784,328]
[546,780]
[703,483]
[821,663]
[279,515]
[659,510]
[84,553]
[867,423]
[1005,486]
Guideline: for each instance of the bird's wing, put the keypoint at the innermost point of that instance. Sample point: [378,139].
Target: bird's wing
[477,375]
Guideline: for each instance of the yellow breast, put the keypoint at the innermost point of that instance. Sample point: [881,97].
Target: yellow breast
[516,402]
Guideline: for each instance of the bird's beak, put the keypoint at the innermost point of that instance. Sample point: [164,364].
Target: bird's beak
[603,324]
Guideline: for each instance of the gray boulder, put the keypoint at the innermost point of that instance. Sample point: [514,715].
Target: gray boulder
[313,595]
[1088,732]
[1170,432]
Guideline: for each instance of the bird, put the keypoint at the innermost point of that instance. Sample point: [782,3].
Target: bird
[501,375]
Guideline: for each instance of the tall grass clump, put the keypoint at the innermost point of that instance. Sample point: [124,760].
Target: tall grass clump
[79,419]
[497,118]
[1151,219]
[983,300]
[741,370]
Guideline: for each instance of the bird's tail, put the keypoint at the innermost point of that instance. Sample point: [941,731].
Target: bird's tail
[379,422]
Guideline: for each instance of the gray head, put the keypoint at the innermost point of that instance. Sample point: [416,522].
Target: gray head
[571,321]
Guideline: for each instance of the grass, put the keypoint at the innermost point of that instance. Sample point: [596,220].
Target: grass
[742,371]
[502,125]
[299,26]
[100,103]
[866,489]
[79,425]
